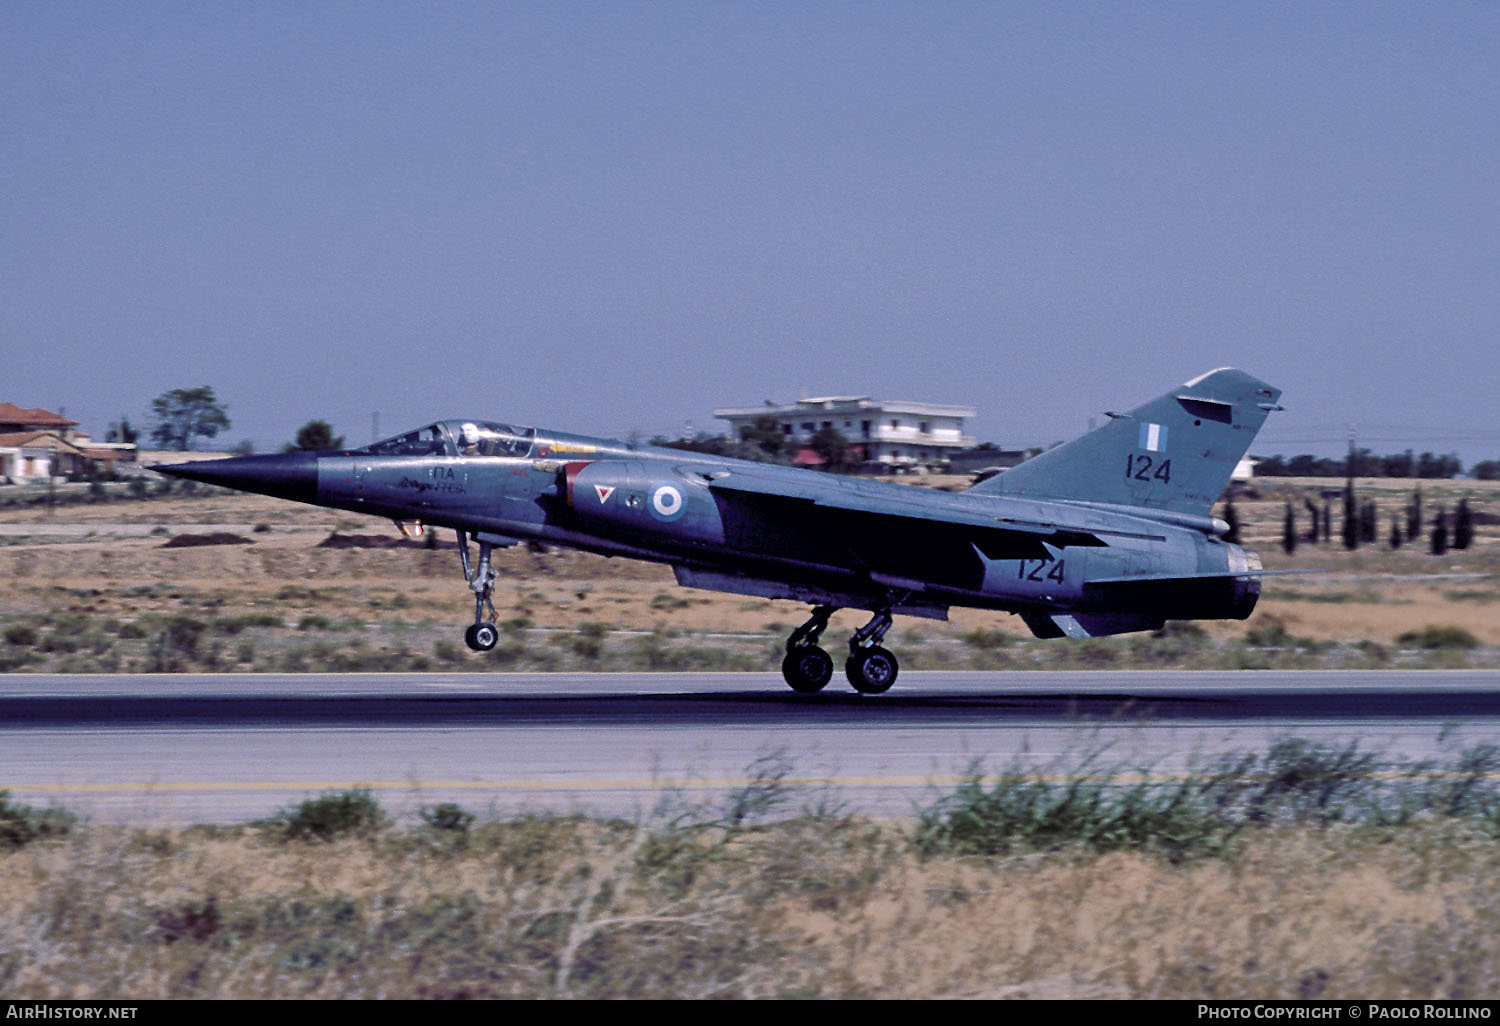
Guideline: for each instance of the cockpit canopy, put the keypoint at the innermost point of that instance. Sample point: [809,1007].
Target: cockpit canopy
[431,440]
[459,437]
[483,438]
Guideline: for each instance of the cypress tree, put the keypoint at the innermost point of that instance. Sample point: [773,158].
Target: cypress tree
[1463,525]
[1351,517]
[1289,530]
[1439,532]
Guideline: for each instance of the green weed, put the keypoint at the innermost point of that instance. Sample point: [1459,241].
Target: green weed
[22,824]
[333,814]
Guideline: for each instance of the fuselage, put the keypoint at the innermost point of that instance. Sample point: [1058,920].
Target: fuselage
[783,532]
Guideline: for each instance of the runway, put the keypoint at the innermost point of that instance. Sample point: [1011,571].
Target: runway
[180,749]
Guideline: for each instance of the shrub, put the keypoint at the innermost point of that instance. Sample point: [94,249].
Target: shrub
[1198,813]
[22,824]
[1298,780]
[176,647]
[1025,811]
[448,817]
[588,640]
[985,640]
[330,815]
[1435,636]
[21,634]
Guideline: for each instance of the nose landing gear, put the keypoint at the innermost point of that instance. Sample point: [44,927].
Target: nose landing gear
[483,635]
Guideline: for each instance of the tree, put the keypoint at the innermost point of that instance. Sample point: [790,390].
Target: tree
[1402,464]
[830,444]
[1312,513]
[1429,465]
[1232,518]
[1351,517]
[1369,524]
[186,413]
[122,432]
[316,436]
[713,445]
[1269,466]
[1463,525]
[1440,532]
[764,437]
[1289,531]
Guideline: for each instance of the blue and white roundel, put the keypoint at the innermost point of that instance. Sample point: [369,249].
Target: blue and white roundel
[666,502]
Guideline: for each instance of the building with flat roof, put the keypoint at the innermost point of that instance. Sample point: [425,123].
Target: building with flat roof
[894,434]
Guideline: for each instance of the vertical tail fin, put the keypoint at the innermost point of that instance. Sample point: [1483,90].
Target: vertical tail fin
[1175,453]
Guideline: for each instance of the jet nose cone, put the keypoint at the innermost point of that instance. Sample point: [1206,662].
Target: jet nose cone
[291,475]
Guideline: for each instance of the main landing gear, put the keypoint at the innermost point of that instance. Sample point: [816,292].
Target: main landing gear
[870,669]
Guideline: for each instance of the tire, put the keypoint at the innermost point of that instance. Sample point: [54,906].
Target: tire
[872,671]
[482,637]
[808,669]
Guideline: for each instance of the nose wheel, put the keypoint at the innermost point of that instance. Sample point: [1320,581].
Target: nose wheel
[482,637]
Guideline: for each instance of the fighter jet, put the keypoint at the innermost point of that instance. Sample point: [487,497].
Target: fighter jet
[1110,533]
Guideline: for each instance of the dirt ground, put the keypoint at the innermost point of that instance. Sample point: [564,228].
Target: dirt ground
[112,560]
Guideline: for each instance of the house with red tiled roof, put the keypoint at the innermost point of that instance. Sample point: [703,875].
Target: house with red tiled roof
[37,443]
[13,419]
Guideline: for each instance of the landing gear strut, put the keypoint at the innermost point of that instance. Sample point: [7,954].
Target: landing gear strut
[483,635]
[870,668]
[807,668]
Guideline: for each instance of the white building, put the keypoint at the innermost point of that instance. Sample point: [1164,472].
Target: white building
[38,444]
[896,434]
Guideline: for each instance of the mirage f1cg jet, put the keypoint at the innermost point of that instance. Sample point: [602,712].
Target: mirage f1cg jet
[1110,533]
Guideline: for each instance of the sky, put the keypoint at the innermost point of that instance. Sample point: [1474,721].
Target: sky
[613,217]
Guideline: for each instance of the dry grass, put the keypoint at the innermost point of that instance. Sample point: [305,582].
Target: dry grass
[544,908]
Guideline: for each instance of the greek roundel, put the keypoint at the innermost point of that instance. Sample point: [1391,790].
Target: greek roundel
[666,502]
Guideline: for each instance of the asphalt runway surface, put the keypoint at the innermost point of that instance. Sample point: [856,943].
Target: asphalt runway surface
[181,749]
